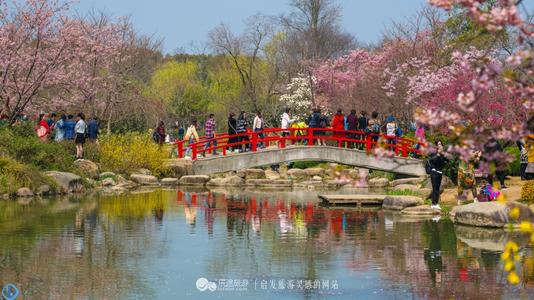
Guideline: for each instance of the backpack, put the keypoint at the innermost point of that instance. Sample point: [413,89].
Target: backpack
[323,122]
[375,128]
[155,136]
[398,132]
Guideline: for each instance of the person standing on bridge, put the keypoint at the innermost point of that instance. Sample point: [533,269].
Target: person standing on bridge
[257,126]
[352,125]
[191,135]
[362,126]
[232,131]
[373,127]
[286,121]
[209,132]
[242,131]
[338,124]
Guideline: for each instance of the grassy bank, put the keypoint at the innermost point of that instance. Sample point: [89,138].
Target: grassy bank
[24,157]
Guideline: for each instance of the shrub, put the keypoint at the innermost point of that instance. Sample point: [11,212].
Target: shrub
[527,192]
[131,151]
[14,175]
[21,143]
[514,168]
[382,174]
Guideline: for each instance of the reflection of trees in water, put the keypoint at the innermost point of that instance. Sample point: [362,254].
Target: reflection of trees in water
[423,255]
[88,249]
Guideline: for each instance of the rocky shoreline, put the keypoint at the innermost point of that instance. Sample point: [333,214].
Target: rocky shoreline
[90,179]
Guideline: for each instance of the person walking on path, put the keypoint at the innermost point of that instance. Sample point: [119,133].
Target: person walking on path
[191,136]
[257,126]
[286,122]
[69,127]
[242,130]
[93,130]
[209,132]
[59,129]
[80,129]
[352,125]
[43,129]
[437,162]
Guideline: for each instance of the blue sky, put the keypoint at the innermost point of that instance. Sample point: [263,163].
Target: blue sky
[180,22]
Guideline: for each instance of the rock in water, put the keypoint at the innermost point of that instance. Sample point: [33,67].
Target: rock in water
[401,202]
[66,182]
[254,174]
[87,168]
[490,214]
[420,211]
[24,192]
[144,179]
[297,174]
[178,167]
[194,180]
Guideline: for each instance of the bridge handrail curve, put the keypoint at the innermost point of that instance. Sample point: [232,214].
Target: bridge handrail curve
[400,145]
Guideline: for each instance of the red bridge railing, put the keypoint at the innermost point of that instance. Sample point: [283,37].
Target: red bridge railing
[256,141]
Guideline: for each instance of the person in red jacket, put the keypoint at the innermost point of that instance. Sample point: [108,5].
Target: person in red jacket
[43,129]
[338,123]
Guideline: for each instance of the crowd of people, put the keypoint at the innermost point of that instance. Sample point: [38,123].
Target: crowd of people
[60,127]
[239,128]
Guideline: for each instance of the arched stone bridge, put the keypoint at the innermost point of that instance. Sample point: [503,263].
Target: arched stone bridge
[270,156]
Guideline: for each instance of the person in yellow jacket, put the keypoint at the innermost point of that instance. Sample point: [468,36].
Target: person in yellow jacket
[299,134]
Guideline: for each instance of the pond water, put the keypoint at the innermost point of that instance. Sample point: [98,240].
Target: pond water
[197,244]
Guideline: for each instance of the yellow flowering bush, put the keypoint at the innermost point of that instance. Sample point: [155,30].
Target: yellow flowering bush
[527,193]
[127,152]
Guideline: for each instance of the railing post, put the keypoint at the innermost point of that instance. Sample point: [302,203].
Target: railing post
[310,136]
[282,143]
[404,149]
[368,143]
[180,146]
[293,135]
[194,148]
[254,146]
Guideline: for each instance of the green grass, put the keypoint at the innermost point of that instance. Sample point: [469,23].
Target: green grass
[401,193]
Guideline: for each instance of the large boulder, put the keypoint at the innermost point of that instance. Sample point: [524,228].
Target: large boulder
[143,179]
[401,202]
[315,172]
[273,175]
[24,192]
[218,181]
[178,167]
[420,211]
[413,181]
[234,181]
[44,190]
[378,183]
[66,182]
[297,174]
[269,183]
[490,214]
[254,174]
[87,168]
[194,180]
